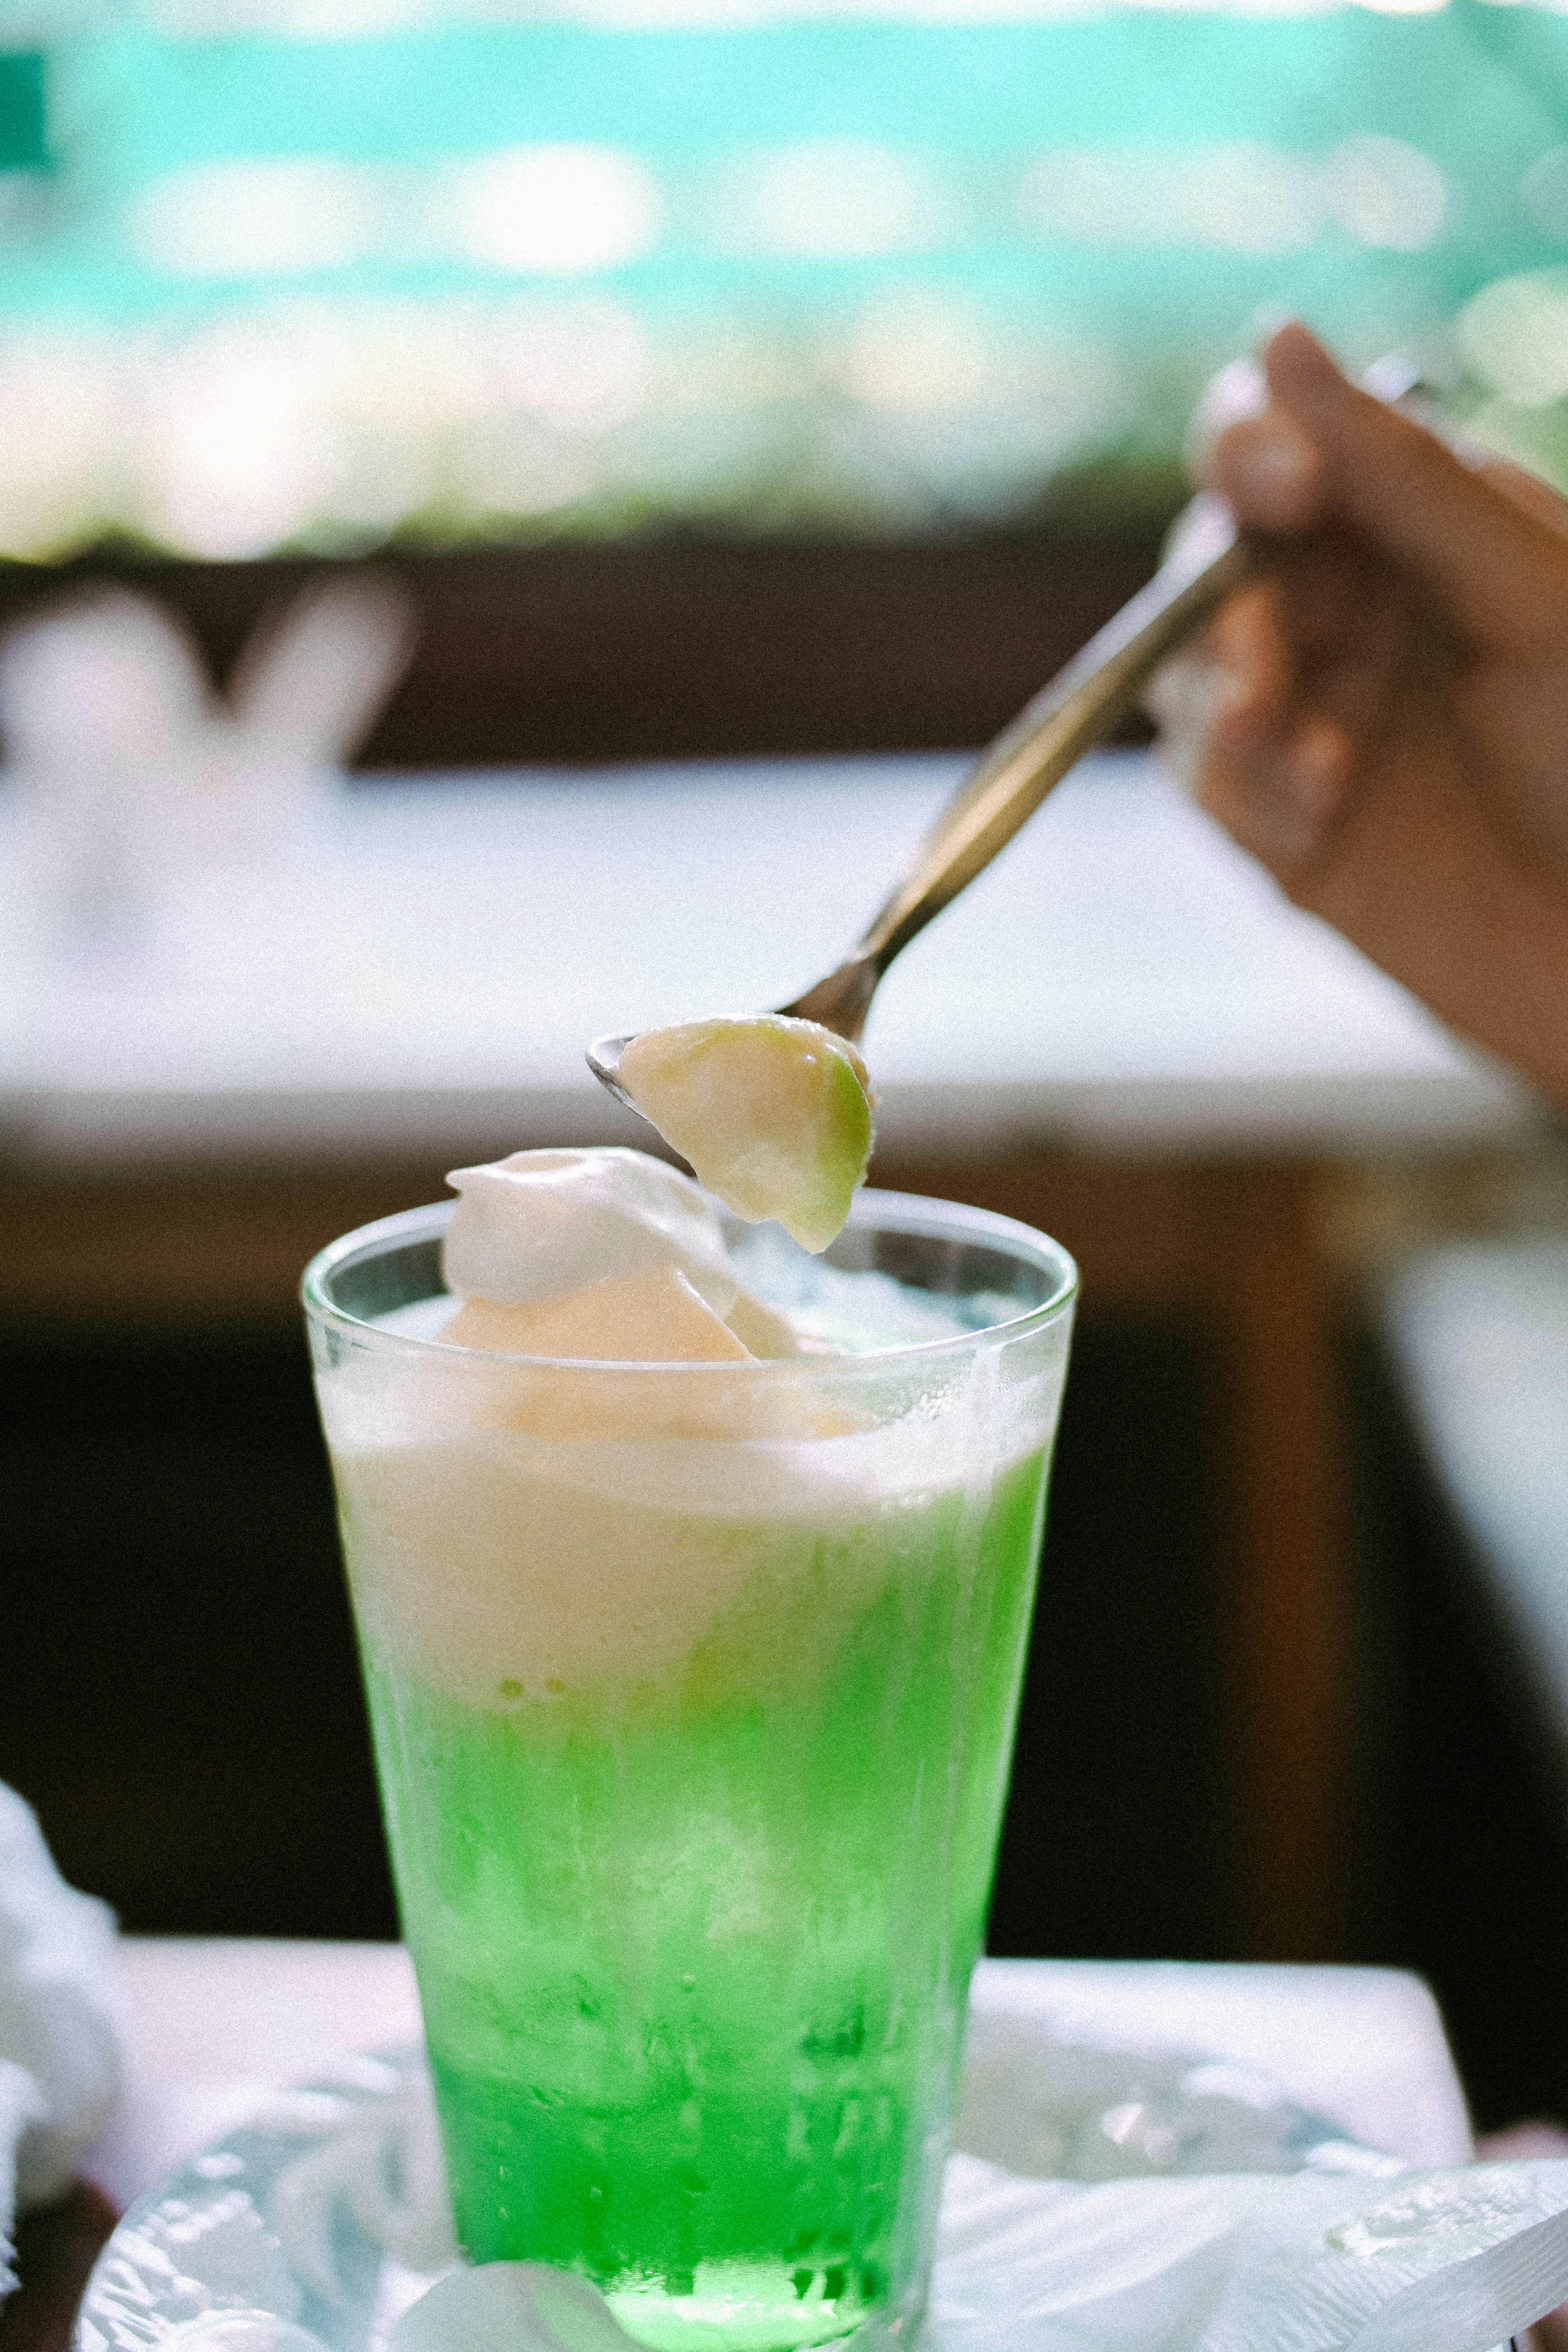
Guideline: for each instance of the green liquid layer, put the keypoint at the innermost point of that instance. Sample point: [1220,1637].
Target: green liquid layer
[694,1961]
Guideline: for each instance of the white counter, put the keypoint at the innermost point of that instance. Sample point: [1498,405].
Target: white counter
[424,971]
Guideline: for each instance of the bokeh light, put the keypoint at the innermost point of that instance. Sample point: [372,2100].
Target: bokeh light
[1385,193]
[256,218]
[916,347]
[1515,334]
[1543,191]
[830,200]
[1240,197]
[316,273]
[563,209]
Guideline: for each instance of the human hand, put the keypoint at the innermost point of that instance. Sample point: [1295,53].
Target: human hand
[1383,720]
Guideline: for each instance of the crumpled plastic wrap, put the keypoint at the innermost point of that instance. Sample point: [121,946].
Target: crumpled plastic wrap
[1431,2262]
[60,2067]
[1426,2261]
[323,2223]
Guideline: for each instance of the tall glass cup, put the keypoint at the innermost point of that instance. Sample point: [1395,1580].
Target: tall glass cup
[693,1691]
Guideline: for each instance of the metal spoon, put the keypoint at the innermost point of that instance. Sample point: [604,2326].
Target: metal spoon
[1209,560]
[1079,705]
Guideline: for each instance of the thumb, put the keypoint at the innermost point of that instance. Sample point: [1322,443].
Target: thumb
[1497,570]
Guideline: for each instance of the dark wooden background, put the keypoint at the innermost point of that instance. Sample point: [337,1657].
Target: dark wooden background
[680,647]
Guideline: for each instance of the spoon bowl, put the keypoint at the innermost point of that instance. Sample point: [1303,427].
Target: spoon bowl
[604,1056]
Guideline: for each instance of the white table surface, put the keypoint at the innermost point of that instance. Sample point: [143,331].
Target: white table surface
[421,969]
[212,2026]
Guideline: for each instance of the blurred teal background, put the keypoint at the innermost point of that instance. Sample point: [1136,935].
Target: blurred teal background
[319,274]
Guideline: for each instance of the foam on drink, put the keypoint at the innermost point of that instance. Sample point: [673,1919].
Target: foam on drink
[509,1531]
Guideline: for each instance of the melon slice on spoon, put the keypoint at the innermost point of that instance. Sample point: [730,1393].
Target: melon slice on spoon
[773,1114]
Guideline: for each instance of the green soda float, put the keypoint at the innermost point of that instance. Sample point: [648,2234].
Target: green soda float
[692,1688]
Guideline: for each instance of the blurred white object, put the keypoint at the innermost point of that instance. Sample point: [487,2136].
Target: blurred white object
[135,776]
[313,678]
[510,2307]
[60,2068]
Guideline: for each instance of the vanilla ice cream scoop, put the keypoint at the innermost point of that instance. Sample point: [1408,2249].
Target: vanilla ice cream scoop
[545,1223]
[652,1317]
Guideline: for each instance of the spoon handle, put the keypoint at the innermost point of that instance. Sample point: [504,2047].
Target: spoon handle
[1208,560]
[1076,710]
[1010,779]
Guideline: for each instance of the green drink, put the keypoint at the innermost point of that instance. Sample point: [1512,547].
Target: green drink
[693,1691]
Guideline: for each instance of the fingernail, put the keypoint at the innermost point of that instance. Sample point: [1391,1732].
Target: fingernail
[1272,464]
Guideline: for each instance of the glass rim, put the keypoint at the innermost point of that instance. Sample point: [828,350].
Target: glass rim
[919,1214]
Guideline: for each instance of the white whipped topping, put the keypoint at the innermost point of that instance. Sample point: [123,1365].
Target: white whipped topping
[543,1223]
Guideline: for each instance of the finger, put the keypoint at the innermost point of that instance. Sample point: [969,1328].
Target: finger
[1225,690]
[1498,574]
[1331,592]
[1413,874]
[1186,701]
[1279,799]
[1363,670]
[1233,730]
[1528,492]
[1269,470]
